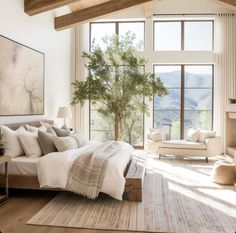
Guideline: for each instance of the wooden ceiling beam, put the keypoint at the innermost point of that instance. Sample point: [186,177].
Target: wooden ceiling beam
[229,2]
[94,12]
[33,7]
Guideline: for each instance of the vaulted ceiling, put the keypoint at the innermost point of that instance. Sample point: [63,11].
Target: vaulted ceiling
[86,10]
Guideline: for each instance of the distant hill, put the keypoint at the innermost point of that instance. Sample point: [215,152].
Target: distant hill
[195,99]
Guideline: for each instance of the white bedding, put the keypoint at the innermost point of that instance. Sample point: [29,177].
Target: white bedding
[22,165]
[53,169]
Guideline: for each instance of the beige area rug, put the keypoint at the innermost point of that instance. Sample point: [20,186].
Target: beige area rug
[178,197]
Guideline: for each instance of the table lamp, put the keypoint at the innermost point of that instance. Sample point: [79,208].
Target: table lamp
[64,112]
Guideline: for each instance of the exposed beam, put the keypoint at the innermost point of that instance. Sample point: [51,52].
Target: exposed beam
[229,2]
[33,7]
[94,12]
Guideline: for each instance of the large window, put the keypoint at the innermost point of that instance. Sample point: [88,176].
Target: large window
[189,102]
[183,35]
[101,128]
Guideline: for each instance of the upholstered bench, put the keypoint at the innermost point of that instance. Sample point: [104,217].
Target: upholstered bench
[199,143]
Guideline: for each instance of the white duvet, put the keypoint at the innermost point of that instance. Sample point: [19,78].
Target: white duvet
[53,169]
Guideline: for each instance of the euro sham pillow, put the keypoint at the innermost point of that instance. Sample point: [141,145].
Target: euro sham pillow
[193,135]
[30,144]
[65,143]
[35,130]
[12,143]
[46,142]
[204,134]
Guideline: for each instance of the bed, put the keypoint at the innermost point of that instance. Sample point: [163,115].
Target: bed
[38,173]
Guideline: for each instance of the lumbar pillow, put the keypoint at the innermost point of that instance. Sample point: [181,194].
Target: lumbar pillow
[65,143]
[11,141]
[192,135]
[80,138]
[46,141]
[30,144]
[204,134]
[61,132]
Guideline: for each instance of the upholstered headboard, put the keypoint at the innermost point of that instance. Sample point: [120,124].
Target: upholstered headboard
[33,123]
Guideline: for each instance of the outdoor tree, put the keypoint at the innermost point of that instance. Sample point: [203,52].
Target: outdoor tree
[116,79]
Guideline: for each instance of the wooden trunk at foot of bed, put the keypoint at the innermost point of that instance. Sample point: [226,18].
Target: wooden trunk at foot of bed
[133,187]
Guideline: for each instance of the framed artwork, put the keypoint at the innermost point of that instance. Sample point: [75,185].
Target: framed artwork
[21,79]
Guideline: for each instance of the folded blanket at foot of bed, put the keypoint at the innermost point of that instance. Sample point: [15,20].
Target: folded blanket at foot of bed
[87,173]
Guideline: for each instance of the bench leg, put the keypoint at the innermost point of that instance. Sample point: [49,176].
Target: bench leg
[206,159]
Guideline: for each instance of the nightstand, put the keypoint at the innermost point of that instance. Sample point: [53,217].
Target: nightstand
[4,160]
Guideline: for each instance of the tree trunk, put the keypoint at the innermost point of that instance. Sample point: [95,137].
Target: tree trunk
[119,129]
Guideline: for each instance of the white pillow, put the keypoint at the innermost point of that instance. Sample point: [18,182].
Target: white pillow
[156,136]
[30,144]
[204,134]
[65,143]
[11,141]
[192,135]
[80,138]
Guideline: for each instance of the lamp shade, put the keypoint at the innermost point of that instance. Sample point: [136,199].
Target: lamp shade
[64,112]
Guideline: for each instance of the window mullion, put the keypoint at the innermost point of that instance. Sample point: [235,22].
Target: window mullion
[182,35]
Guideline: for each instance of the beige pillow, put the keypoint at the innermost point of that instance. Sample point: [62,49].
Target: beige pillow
[65,143]
[156,136]
[46,141]
[30,144]
[11,141]
[192,135]
[204,134]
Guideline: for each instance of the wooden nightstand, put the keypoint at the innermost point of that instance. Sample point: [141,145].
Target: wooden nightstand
[4,160]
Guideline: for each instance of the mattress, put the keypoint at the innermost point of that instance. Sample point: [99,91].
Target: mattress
[21,165]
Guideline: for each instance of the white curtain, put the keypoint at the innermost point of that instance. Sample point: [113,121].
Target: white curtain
[225,68]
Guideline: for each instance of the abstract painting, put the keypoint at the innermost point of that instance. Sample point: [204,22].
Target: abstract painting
[21,79]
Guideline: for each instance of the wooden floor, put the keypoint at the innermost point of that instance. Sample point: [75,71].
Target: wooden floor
[22,205]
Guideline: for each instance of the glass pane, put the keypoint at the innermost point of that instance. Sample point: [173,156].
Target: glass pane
[167,36]
[168,102]
[198,76]
[169,121]
[198,35]
[197,119]
[99,31]
[136,28]
[198,99]
[134,129]
[170,75]
[98,122]
[101,135]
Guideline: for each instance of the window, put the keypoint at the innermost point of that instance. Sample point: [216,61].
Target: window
[99,31]
[189,102]
[102,29]
[102,129]
[198,35]
[167,36]
[183,35]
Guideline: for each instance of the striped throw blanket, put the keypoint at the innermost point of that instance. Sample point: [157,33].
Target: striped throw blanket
[88,170]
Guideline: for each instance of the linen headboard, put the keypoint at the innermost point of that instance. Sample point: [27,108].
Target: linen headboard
[32,123]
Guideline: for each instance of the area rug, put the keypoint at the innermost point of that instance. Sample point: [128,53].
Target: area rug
[178,197]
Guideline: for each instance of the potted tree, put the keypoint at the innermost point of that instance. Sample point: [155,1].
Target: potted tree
[2,149]
[117,81]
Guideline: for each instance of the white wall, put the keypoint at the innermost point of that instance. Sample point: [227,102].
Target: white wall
[38,32]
